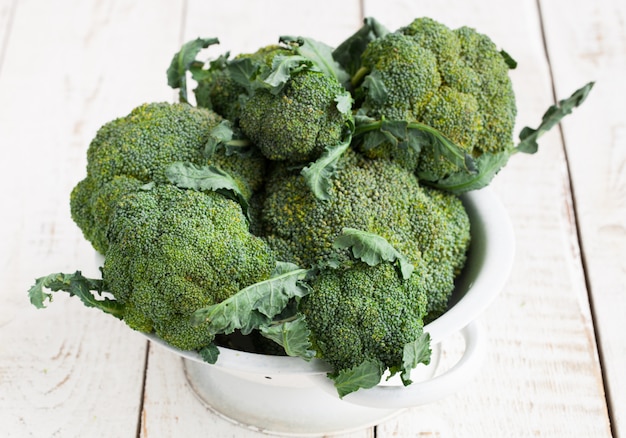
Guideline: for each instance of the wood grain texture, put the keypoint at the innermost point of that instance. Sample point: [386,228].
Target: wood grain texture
[70,66]
[7,11]
[589,43]
[542,374]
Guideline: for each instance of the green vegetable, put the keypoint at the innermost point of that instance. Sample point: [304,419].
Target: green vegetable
[361,318]
[454,82]
[76,285]
[372,249]
[306,204]
[134,150]
[254,305]
[429,227]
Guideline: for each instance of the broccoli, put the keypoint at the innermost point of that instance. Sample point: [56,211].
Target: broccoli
[171,252]
[454,81]
[429,226]
[300,121]
[217,90]
[152,136]
[288,99]
[174,251]
[363,313]
[136,149]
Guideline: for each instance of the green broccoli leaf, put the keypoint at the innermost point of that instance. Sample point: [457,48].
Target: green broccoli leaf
[209,178]
[375,88]
[76,285]
[488,165]
[510,62]
[209,353]
[255,305]
[319,173]
[344,102]
[414,135]
[183,61]
[245,72]
[365,375]
[321,54]
[292,335]
[372,249]
[283,67]
[414,353]
[528,136]
[460,182]
[348,53]
[223,135]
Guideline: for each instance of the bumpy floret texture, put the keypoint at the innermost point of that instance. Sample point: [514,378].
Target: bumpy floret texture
[133,150]
[430,227]
[300,121]
[247,168]
[92,206]
[218,91]
[174,251]
[363,313]
[152,136]
[467,95]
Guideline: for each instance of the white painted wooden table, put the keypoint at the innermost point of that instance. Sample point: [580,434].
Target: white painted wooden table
[557,352]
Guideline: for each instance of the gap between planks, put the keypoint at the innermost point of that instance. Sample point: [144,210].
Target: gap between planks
[577,228]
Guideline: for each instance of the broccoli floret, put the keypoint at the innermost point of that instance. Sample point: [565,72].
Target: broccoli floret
[248,168]
[300,121]
[136,149]
[363,313]
[144,142]
[455,81]
[92,205]
[174,251]
[217,90]
[430,227]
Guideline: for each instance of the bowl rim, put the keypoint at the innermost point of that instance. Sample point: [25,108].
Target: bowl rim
[492,239]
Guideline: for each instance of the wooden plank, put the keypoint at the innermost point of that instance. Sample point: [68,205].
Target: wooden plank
[587,42]
[170,407]
[542,374]
[69,67]
[7,9]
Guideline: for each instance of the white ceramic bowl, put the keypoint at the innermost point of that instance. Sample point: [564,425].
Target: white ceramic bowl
[289,396]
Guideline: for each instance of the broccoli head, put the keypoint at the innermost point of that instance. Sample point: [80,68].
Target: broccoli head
[133,150]
[145,141]
[297,123]
[363,313]
[173,251]
[217,90]
[92,205]
[455,81]
[430,227]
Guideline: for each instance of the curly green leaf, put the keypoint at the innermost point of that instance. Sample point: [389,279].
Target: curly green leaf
[366,375]
[255,305]
[76,285]
[528,136]
[182,62]
[372,249]
[292,335]
[205,178]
